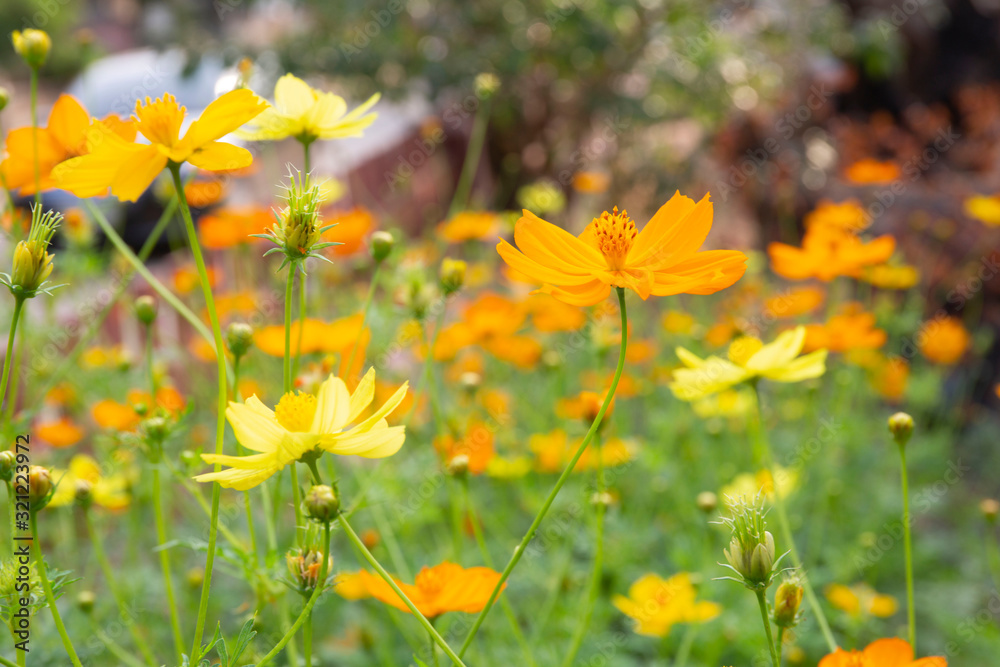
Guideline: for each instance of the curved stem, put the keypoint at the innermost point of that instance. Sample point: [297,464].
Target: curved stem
[762,603]
[141,269]
[908,549]
[360,546]
[50,599]
[786,530]
[109,577]
[307,610]
[519,551]
[223,393]
[469,167]
[18,305]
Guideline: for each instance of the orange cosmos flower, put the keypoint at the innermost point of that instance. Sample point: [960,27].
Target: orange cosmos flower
[853,329]
[468,226]
[59,433]
[871,172]
[843,215]
[204,192]
[186,278]
[231,226]
[549,314]
[439,589]
[827,253]
[944,340]
[476,446]
[795,302]
[522,351]
[584,406]
[881,653]
[661,260]
[128,168]
[554,450]
[861,600]
[66,136]
[115,416]
[351,229]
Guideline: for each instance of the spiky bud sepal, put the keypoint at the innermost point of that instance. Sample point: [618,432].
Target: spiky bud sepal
[298,231]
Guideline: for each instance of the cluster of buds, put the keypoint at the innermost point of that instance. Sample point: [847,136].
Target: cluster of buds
[751,552]
[32,45]
[305,565]
[298,230]
[32,262]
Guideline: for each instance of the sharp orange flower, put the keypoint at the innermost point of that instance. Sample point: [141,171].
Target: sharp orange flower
[66,136]
[661,260]
[881,653]
[439,589]
[128,168]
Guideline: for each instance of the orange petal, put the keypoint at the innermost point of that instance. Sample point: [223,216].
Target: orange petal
[674,233]
[578,295]
[705,273]
[226,114]
[555,247]
[891,652]
[518,261]
[68,124]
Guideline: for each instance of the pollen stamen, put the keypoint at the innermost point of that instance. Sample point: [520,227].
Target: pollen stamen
[615,234]
[295,411]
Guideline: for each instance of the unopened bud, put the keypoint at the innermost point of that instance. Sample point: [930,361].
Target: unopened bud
[8,460]
[83,492]
[39,487]
[452,275]
[901,427]
[32,263]
[85,601]
[381,245]
[155,428]
[486,85]
[305,566]
[145,309]
[707,501]
[239,337]
[603,499]
[321,503]
[990,508]
[32,45]
[458,465]
[787,600]
[470,381]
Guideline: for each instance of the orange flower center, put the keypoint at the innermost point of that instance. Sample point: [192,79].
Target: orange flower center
[295,411]
[160,120]
[430,581]
[615,234]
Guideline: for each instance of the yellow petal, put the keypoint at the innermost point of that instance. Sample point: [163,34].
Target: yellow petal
[776,354]
[363,395]
[226,114]
[271,125]
[293,96]
[713,376]
[137,169]
[379,442]
[333,405]
[254,425]
[220,156]
[808,366]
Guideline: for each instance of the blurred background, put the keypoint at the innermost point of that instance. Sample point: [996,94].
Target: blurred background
[764,103]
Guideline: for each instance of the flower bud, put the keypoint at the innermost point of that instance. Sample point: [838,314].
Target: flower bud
[195,577]
[304,566]
[707,501]
[787,600]
[470,381]
[239,337]
[751,553]
[83,492]
[32,45]
[603,499]
[381,245]
[32,263]
[452,275]
[145,309]
[85,601]
[486,85]
[155,428]
[39,487]
[990,508]
[8,460]
[4,98]
[299,231]
[458,465]
[901,427]
[321,503]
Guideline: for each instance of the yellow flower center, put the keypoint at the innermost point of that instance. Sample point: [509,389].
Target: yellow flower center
[741,349]
[615,233]
[160,120]
[295,411]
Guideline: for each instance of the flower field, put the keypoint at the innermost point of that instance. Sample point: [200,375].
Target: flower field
[541,333]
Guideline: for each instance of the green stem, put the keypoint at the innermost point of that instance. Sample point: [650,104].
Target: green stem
[17,368]
[908,550]
[161,538]
[505,605]
[302,324]
[595,576]
[6,663]
[786,530]
[780,643]
[469,167]
[307,610]
[114,647]
[50,599]
[287,362]
[307,639]
[360,546]
[18,305]
[687,641]
[157,286]
[762,603]
[519,552]
[306,162]
[364,316]
[109,577]
[223,393]
[433,649]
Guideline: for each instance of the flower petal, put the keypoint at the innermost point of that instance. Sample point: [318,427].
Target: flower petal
[226,114]
[333,405]
[220,156]
[68,123]
[553,246]
[578,295]
[293,96]
[675,232]
[377,443]
[780,352]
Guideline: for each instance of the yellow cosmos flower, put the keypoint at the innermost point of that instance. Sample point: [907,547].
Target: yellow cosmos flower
[308,114]
[985,208]
[303,422]
[861,600]
[748,485]
[129,168]
[656,604]
[748,359]
[85,476]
